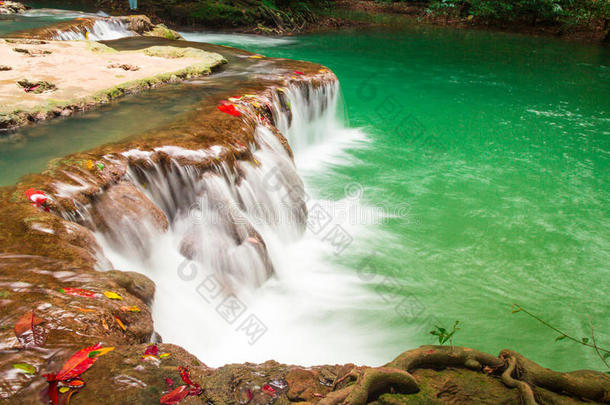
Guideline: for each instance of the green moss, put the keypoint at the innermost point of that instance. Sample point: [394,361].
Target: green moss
[100,48]
[171,52]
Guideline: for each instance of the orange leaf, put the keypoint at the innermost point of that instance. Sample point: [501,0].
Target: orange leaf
[116,318]
[76,383]
[27,332]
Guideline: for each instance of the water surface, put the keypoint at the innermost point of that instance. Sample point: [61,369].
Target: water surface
[493,150]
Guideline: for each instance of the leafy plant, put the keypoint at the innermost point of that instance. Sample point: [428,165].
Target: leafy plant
[603,354]
[445,335]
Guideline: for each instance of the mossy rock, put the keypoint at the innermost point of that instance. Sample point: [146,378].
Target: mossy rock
[162,31]
[36,87]
[171,52]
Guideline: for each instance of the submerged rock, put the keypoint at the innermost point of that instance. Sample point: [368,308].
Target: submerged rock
[128,218]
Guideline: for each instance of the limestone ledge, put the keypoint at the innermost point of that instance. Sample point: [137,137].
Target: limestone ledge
[85,74]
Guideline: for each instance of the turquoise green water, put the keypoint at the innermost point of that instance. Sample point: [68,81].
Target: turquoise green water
[497,147]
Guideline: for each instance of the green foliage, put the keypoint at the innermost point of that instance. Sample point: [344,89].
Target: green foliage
[602,353]
[565,12]
[445,335]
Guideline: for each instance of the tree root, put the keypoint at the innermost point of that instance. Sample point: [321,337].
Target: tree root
[370,383]
[439,357]
[527,394]
[586,384]
[516,372]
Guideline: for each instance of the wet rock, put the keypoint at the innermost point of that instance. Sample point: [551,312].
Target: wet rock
[139,23]
[4,68]
[128,218]
[232,247]
[11,7]
[136,283]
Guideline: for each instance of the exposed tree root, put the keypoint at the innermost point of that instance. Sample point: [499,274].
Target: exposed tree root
[363,384]
[586,384]
[370,383]
[527,394]
[439,357]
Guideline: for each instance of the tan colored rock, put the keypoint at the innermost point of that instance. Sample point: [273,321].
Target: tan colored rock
[128,218]
[139,23]
[11,7]
[161,31]
[135,283]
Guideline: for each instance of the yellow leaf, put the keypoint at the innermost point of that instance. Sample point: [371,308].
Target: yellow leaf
[89,164]
[132,308]
[101,352]
[112,295]
[64,389]
[256,56]
[164,355]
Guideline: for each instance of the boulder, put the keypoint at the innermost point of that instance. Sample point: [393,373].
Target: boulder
[11,7]
[161,31]
[135,283]
[128,218]
[139,23]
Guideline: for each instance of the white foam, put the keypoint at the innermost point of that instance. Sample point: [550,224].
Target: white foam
[314,310]
[237,40]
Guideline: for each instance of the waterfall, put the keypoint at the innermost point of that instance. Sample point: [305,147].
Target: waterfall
[239,275]
[101,30]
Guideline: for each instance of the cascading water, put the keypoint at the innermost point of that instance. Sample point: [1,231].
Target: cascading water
[240,275]
[101,30]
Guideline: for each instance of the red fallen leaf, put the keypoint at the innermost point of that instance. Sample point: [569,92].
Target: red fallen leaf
[175,396]
[53,392]
[169,383]
[32,88]
[229,109]
[77,364]
[186,376]
[269,390]
[36,197]
[298,72]
[430,351]
[79,292]
[152,350]
[27,330]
